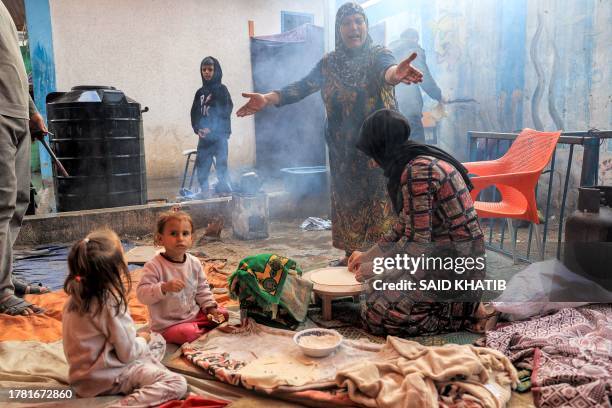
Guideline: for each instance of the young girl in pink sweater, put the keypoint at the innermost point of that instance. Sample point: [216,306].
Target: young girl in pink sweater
[173,285]
[100,343]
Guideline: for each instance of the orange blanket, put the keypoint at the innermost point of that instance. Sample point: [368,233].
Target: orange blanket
[219,280]
[47,327]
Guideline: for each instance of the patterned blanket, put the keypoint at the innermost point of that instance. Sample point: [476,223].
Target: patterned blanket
[222,353]
[569,353]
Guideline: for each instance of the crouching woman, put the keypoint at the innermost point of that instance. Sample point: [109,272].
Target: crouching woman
[437,227]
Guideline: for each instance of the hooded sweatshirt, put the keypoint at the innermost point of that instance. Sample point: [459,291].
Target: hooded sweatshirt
[212,104]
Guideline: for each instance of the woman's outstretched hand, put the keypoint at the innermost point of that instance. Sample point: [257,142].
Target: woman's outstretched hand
[256,103]
[406,73]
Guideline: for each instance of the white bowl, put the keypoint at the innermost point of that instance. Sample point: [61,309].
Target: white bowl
[317,351]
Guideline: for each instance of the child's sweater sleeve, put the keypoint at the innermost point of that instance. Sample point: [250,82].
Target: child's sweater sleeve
[149,289]
[204,296]
[122,335]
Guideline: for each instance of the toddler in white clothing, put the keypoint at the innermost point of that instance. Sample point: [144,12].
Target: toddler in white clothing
[173,285]
[100,343]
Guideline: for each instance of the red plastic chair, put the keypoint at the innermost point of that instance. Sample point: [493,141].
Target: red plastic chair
[515,175]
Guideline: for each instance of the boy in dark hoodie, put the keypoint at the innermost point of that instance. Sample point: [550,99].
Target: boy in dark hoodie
[210,120]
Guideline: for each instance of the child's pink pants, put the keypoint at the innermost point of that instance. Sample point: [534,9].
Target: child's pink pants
[189,331]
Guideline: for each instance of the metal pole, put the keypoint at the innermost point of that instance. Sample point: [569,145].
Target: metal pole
[590,162]
[565,185]
[548,198]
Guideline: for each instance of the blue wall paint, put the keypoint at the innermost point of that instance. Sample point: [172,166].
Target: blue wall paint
[589,40]
[288,14]
[427,34]
[573,35]
[558,79]
[38,17]
[511,57]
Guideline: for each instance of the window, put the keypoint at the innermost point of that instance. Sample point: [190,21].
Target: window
[291,20]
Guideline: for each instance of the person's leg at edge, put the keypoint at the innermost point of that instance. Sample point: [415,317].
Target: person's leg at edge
[23,170]
[15,147]
[8,200]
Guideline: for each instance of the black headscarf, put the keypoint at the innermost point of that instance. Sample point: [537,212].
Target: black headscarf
[351,65]
[384,137]
[214,84]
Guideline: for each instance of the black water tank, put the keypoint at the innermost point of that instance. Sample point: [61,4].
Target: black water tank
[98,138]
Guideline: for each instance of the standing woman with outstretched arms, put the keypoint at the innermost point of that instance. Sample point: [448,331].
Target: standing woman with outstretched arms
[355,79]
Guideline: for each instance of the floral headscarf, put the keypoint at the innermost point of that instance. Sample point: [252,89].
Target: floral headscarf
[351,65]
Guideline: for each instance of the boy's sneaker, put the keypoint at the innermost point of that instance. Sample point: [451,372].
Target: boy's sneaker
[185,192]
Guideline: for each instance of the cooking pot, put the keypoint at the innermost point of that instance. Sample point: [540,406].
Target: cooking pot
[250,183]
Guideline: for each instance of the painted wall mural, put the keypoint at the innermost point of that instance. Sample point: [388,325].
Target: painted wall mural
[448,29]
[541,64]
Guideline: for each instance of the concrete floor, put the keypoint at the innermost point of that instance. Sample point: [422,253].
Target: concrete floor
[522,238]
[311,249]
[167,189]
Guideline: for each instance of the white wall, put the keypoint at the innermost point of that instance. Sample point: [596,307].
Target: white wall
[151,50]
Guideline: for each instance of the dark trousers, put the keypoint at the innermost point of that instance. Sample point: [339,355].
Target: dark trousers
[206,152]
[417,132]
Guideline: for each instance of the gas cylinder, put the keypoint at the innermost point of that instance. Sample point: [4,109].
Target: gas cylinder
[588,236]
